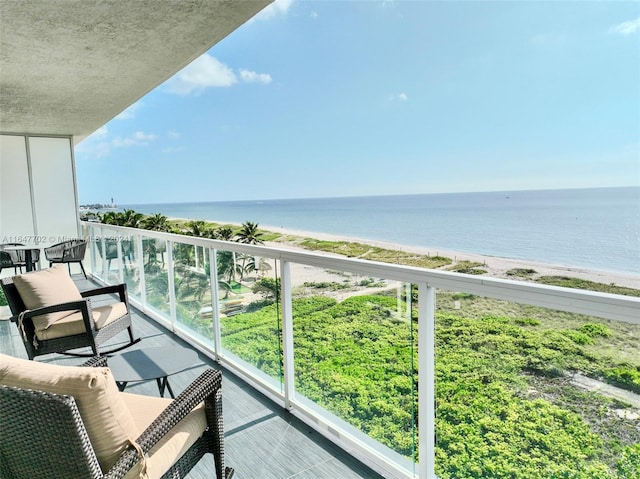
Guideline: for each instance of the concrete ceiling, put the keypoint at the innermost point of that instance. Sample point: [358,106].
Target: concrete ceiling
[67,67]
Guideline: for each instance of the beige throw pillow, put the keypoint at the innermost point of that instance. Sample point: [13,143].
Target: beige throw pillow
[106,418]
[47,287]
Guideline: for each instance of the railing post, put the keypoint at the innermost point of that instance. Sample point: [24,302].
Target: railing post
[140,259]
[103,247]
[215,301]
[287,335]
[120,258]
[426,381]
[92,254]
[171,284]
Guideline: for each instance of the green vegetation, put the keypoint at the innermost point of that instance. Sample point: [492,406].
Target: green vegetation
[577,283]
[468,267]
[506,403]
[521,272]
[373,253]
[3,300]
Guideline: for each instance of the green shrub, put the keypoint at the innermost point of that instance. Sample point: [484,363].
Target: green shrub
[521,272]
[579,337]
[593,330]
[526,322]
[468,267]
[624,376]
[458,296]
[578,283]
[3,300]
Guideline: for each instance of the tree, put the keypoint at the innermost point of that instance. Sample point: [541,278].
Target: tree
[197,228]
[223,233]
[269,288]
[132,218]
[227,266]
[129,218]
[249,234]
[156,222]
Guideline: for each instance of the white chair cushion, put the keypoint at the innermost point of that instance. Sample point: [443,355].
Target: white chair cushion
[144,409]
[104,413]
[73,324]
[47,287]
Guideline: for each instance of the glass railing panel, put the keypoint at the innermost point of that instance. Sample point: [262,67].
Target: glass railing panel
[156,274]
[524,391]
[111,267]
[96,250]
[130,265]
[355,353]
[193,290]
[251,313]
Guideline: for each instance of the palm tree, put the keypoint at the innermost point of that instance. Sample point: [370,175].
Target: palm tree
[249,234]
[156,222]
[111,218]
[132,218]
[223,233]
[227,266]
[197,228]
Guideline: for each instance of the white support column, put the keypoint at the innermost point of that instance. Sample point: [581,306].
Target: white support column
[426,381]
[287,335]
[171,285]
[215,302]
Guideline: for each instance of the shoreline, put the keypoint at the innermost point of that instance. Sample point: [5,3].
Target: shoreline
[495,266]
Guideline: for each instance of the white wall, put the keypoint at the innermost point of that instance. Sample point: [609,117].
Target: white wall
[38,200]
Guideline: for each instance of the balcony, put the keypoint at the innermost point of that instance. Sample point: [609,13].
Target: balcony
[279,348]
[281,445]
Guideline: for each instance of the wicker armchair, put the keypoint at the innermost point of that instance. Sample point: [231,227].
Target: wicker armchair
[50,434]
[71,251]
[58,326]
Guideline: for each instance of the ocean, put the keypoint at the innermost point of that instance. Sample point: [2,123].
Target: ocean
[596,228]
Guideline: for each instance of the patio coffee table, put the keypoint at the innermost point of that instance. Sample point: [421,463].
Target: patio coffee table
[151,363]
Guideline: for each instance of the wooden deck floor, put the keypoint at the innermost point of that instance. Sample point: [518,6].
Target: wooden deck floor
[262,440]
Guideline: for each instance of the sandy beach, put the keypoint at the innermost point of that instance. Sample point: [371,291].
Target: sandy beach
[495,266]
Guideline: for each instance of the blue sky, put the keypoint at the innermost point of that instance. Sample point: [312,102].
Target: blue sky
[355,98]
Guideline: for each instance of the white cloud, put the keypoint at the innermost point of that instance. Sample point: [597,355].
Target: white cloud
[398,97]
[313,15]
[626,28]
[173,134]
[204,72]
[253,77]
[139,138]
[130,112]
[99,145]
[276,8]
